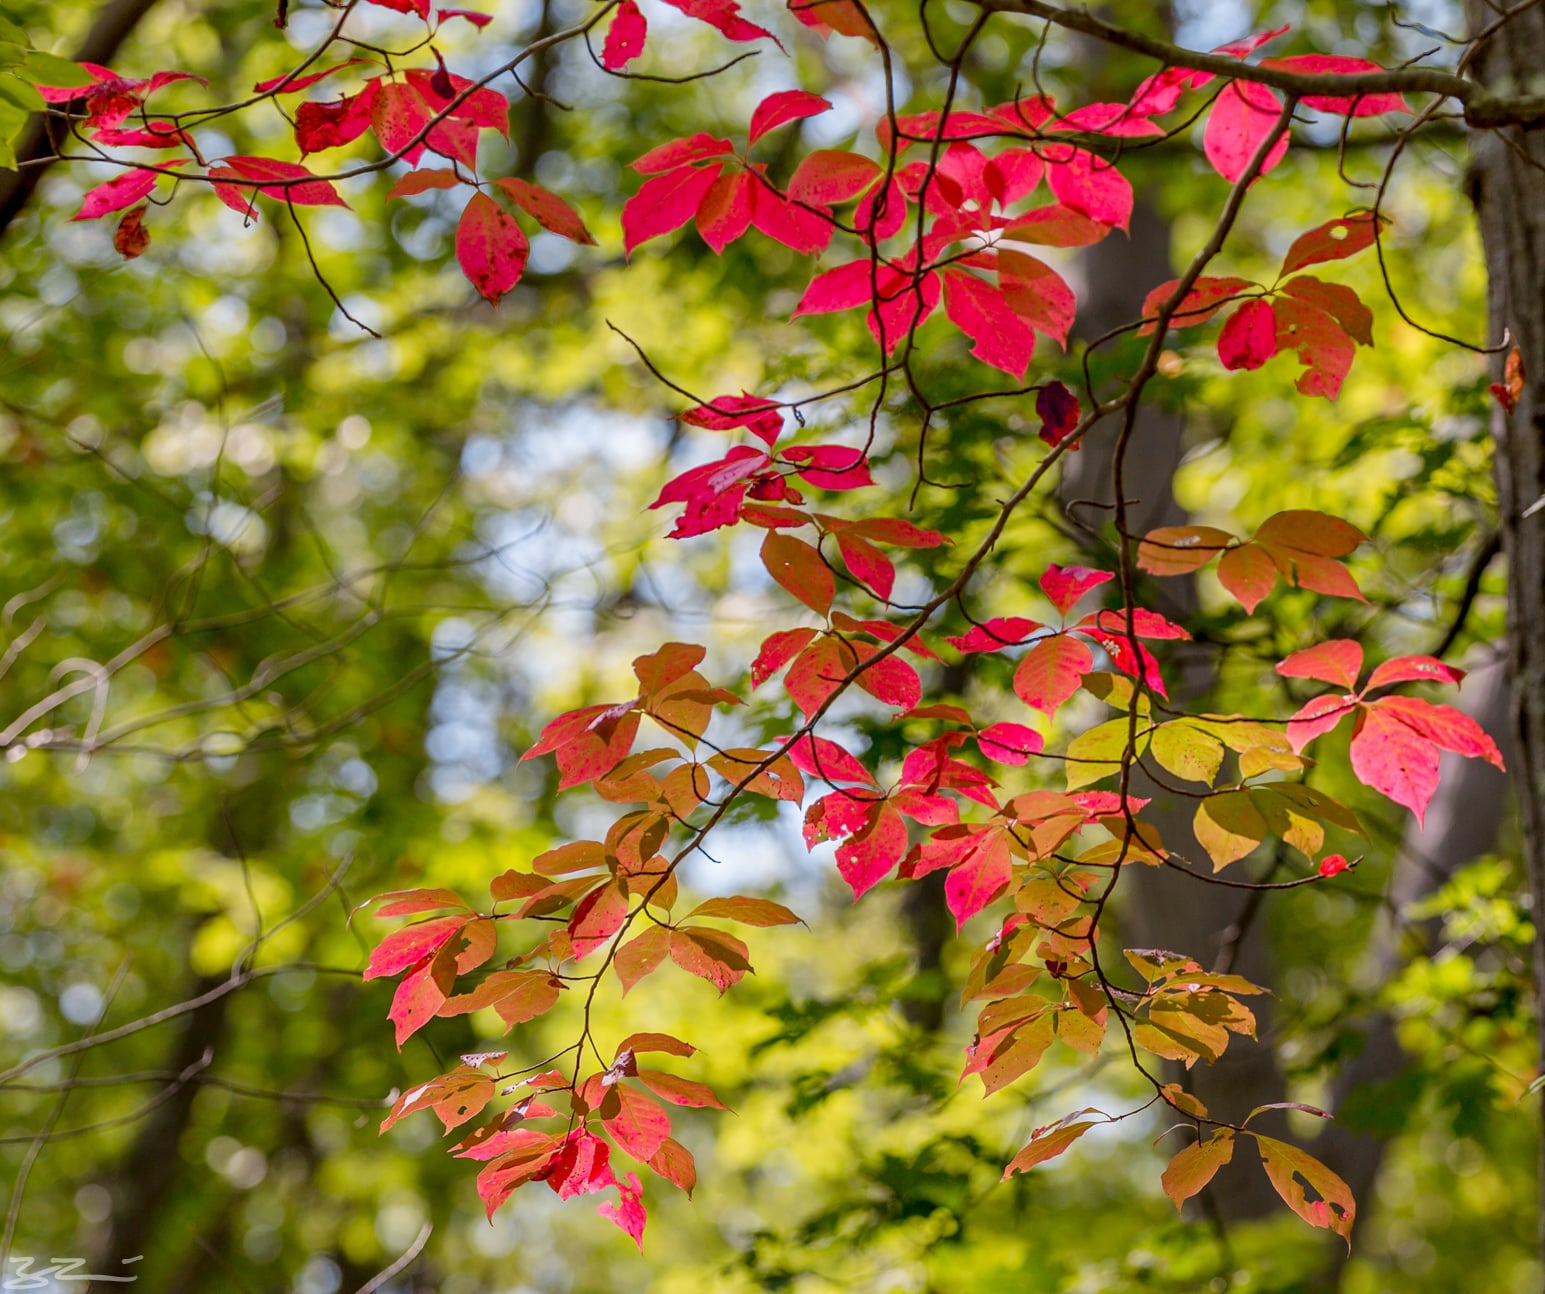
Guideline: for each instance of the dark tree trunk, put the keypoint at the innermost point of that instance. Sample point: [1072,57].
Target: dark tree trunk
[1508,186]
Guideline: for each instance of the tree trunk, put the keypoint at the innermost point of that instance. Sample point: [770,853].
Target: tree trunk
[1508,187]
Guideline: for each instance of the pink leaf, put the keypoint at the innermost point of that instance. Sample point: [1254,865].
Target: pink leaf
[832,176]
[973,883]
[1395,760]
[1249,338]
[784,106]
[1414,669]
[665,203]
[867,857]
[1338,661]
[628,1213]
[115,194]
[1090,185]
[1051,672]
[490,247]
[1318,717]
[1442,725]
[725,212]
[980,311]
[1366,105]
[1010,743]
[996,634]
[547,209]
[826,759]
[800,227]
[625,36]
[723,16]
[399,115]
[678,152]
[1065,585]
[1242,117]
[320,126]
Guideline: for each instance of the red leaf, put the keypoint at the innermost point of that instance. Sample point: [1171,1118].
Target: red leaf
[777,651]
[416,182]
[1242,117]
[490,247]
[980,311]
[838,289]
[800,569]
[678,152]
[1057,226]
[625,36]
[814,676]
[1338,661]
[832,176]
[996,634]
[831,467]
[723,16]
[1010,743]
[680,1091]
[413,944]
[289,83]
[1057,408]
[1065,585]
[826,759]
[1333,865]
[725,212]
[784,106]
[1090,185]
[868,565]
[640,1126]
[478,20]
[1038,295]
[1323,346]
[974,882]
[665,203]
[793,225]
[597,917]
[628,1213]
[1249,338]
[405,903]
[1206,297]
[1333,241]
[1046,1144]
[115,194]
[419,996]
[892,681]
[131,238]
[1339,302]
[674,1162]
[1366,105]
[1248,573]
[869,855]
[1443,725]
[1394,759]
[320,126]
[1413,669]
[1318,717]
[547,209]
[1051,672]
[399,115]
[711,955]
[293,182]
[641,956]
